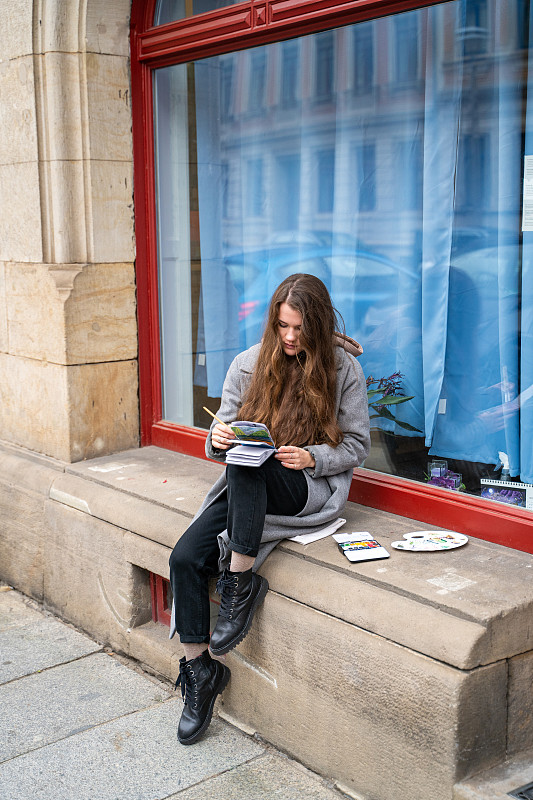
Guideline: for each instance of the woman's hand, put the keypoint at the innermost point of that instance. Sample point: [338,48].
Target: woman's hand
[295,457]
[222,437]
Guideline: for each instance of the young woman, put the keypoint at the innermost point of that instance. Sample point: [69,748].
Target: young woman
[302,382]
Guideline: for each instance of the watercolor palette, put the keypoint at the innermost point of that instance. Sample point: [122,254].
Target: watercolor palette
[428,541]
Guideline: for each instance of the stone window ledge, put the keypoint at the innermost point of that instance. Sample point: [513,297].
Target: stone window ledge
[467,607]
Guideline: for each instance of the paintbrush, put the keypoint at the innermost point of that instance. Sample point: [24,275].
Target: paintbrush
[217,418]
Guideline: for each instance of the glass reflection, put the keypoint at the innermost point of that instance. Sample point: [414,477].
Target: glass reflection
[173,10]
[394,173]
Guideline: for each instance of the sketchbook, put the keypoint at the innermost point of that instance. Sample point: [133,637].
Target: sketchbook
[252,433]
[255,444]
[248,456]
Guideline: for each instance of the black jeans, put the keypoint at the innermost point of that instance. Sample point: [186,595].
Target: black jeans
[251,493]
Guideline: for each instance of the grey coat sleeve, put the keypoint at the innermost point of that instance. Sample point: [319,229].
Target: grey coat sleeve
[229,406]
[352,417]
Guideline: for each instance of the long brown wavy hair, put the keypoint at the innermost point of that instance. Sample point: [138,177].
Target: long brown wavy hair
[294,396]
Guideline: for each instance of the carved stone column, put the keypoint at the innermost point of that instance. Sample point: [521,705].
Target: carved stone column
[68,335]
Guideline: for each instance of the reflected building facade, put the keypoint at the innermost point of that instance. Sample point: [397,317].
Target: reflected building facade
[386,158]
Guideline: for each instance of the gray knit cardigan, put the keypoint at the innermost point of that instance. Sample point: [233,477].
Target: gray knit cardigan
[329,482]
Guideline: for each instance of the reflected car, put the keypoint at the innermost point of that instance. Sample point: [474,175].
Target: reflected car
[363,285]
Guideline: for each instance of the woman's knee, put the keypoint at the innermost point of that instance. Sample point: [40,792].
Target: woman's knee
[189,558]
[243,478]
[182,558]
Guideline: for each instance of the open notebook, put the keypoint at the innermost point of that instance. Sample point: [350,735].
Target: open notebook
[255,444]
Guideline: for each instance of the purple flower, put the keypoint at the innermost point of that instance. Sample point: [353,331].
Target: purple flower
[451,480]
[388,386]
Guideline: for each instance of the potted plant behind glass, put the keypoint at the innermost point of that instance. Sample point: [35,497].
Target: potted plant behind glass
[384,396]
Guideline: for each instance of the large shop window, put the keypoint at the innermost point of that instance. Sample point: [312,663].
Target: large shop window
[387,158]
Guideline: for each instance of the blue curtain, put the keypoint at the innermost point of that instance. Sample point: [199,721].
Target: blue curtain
[525,398]
[402,193]
[218,333]
[481,378]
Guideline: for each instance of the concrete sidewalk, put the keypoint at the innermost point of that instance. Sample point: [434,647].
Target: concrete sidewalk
[80,722]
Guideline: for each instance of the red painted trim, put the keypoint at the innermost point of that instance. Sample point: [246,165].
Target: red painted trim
[153,594]
[190,441]
[142,15]
[163,612]
[158,590]
[484,519]
[195,30]
[146,244]
[164,618]
[240,26]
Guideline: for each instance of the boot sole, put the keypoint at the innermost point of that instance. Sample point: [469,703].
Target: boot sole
[261,594]
[220,688]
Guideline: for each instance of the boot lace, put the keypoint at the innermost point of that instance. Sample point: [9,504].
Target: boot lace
[227,589]
[189,686]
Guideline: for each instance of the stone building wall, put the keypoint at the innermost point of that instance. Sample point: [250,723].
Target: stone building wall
[68,333]
[439,678]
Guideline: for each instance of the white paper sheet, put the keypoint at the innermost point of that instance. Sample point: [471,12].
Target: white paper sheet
[307,538]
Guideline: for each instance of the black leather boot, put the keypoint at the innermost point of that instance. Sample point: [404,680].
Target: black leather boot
[201,680]
[240,595]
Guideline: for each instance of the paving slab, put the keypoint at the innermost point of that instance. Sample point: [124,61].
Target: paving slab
[264,778]
[40,644]
[80,723]
[136,757]
[15,611]
[62,701]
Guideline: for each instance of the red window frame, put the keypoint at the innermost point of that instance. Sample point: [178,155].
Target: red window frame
[159,590]
[236,27]
[161,610]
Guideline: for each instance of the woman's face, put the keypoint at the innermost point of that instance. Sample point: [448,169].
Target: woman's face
[289,327]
